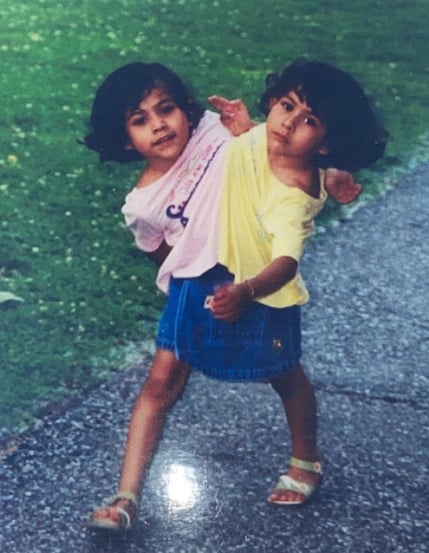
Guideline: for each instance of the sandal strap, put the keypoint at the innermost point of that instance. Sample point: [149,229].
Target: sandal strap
[130,496]
[316,467]
[123,513]
[290,484]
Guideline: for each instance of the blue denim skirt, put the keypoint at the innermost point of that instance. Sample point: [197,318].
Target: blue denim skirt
[264,343]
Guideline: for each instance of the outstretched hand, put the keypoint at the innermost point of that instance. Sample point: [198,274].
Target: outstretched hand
[233,114]
[341,186]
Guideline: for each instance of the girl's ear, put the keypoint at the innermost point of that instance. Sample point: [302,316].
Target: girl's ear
[190,114]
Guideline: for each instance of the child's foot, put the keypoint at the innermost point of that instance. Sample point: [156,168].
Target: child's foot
[299,483]
[118,515]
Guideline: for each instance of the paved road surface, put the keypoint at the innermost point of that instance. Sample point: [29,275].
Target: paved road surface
[366,334]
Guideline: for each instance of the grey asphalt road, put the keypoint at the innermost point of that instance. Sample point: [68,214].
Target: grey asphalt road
[366,339]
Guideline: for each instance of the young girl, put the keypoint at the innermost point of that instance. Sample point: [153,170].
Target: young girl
[145,109]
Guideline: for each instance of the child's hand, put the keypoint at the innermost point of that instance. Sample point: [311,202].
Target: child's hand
[233,114]
[341,186]
[229,301]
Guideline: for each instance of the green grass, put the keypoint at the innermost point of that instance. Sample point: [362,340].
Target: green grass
[64,250]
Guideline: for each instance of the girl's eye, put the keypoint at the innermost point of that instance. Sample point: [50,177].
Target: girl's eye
[139,121]
[168,108]
[288,106]
[310,121]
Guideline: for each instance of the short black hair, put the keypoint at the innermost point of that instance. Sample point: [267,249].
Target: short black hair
[122,91]
[355,136]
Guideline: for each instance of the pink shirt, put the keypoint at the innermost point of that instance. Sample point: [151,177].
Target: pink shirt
[189,191]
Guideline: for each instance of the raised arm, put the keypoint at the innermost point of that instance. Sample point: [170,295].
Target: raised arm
[233,114]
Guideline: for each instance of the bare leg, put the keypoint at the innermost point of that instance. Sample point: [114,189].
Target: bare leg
[299,403]
[163,386]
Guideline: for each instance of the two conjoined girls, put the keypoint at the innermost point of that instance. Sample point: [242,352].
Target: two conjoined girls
[224,206]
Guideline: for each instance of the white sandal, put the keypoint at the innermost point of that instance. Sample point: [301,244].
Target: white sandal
[287,483]
[126,520]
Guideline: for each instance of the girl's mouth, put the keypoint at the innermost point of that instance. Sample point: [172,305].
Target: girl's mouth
[164,139]
[280,137]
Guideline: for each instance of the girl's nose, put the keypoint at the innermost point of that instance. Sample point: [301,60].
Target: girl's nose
[291,120]
[158,123]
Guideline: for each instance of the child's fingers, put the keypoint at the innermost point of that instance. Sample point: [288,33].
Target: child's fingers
[226,305]
[221,291]
[351,193]
[221,300]
[355,193]
[226,313]
[342,186]
[221,103]
[218,102]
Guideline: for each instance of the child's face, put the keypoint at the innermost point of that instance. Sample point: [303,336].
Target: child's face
[293,131]
[158,129]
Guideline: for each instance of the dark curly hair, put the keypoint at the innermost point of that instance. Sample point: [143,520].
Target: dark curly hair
[356,138]
[122,91]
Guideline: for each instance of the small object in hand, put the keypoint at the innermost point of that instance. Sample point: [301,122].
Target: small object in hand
[208,302]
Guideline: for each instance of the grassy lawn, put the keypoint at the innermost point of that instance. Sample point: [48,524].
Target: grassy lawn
[86,292]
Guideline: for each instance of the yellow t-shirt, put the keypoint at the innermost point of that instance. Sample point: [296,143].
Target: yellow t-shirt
[262,218]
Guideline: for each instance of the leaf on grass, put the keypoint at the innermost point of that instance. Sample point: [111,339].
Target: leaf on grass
[8,296]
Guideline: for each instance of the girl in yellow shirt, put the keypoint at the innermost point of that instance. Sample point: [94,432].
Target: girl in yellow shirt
[317,116]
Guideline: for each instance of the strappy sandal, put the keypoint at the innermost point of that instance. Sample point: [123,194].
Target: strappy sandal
[126,520]
[287,483]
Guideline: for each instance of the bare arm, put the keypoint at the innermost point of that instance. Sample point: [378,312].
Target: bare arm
[230,300]
[159,255]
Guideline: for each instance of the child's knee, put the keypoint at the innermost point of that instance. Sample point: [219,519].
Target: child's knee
[165,386]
